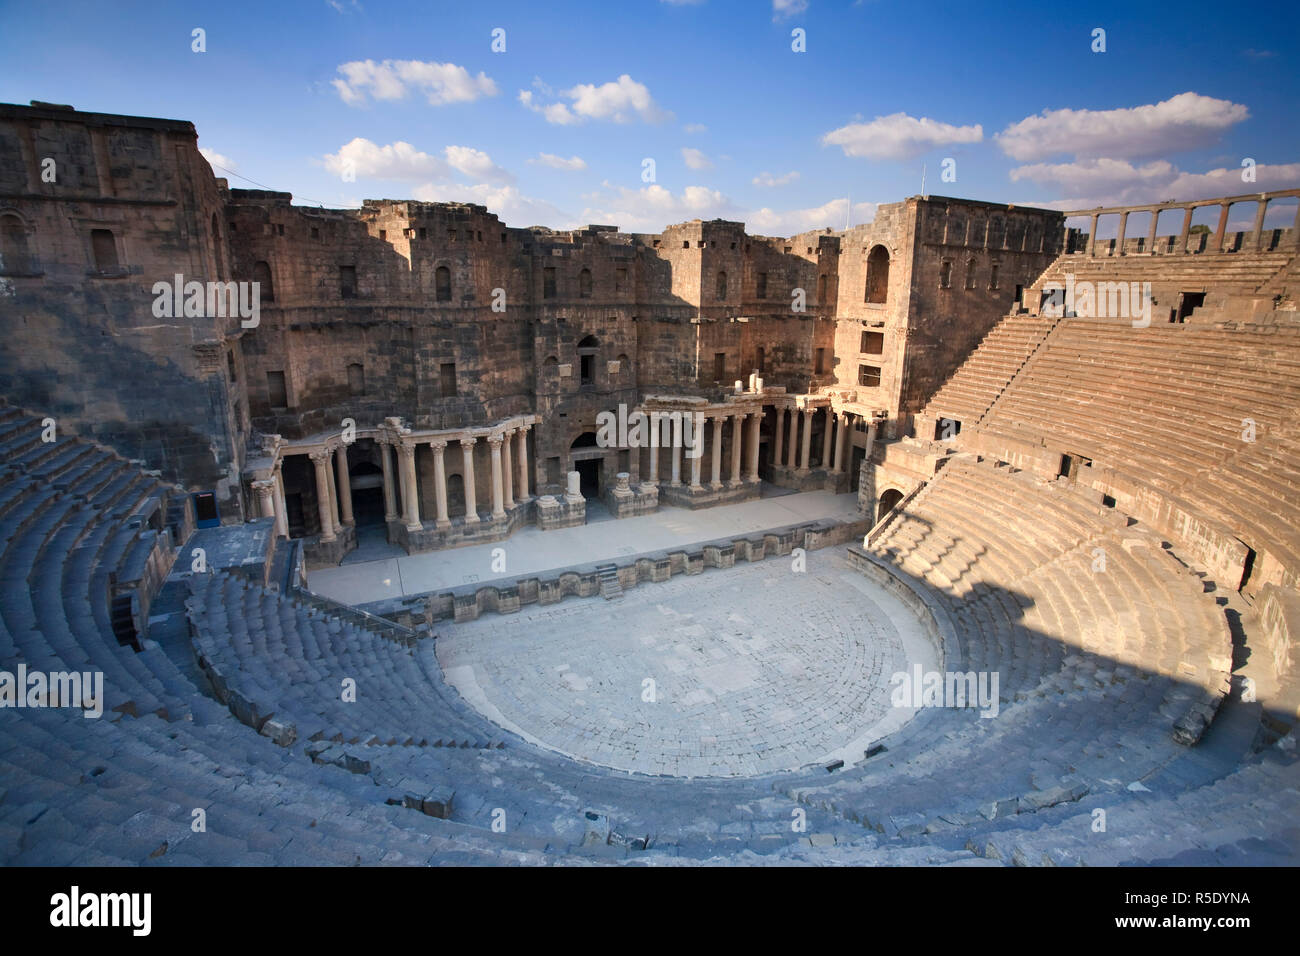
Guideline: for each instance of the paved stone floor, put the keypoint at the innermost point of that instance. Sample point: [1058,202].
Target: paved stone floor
[530,550]
[755,669]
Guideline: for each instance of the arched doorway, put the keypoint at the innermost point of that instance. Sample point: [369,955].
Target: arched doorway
[878,275]
[888,501]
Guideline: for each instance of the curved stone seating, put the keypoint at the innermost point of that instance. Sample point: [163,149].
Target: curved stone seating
[1094,676]
[983,516]
[291,662]
[973,387]
[1168,408]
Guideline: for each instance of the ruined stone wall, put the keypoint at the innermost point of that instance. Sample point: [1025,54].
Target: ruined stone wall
[364,290]
[82,342]
[890,231]
[971,238]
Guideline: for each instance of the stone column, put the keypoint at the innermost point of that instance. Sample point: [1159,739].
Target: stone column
[677,451]
[345,484]
[828,423]
[390,499]
[1187,228]
[805,450]
[507,468]
[654,461]
[334,497]
[321,460]
[406,455]
[791,451]
[1257,233]
[1092,235]
[778,446]
[1216,244]
[439,449]
[471,499]
[265,491]
[1119,241]
[842,442]
[716,483]
[523,464]
[1151,233]
[498,508]
[281,509]
[698,435]
[871,441]
[755,435]
[737,431]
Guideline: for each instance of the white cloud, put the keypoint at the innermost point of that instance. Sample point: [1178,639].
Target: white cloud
[650,208]
[899,136]
[833,214]
[694,159]
[340,7]
[619,101]
[695,128]
[476,164]
[1097,177]
[507,202]
[399,161]
[557,113]
[1182,122]
[573,163]
[767,179]
[1227,182]
[788,8]
[440,83]
[402,162]
[217,159]
[1115,182]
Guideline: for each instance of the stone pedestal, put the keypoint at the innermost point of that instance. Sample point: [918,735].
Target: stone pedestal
[566,512]
[624,501]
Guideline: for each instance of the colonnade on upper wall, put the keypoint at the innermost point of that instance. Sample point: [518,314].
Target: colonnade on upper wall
[1253,243]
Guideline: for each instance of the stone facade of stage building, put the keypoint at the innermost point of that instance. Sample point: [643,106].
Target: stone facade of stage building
[442,316]
[95,208]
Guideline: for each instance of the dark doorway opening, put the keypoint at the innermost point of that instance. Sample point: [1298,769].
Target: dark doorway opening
[205,510]
[855,467]
[946,428]
[888,501]
[293,512]
[1189,302]
[367,483]
[1247,567]
[589,477]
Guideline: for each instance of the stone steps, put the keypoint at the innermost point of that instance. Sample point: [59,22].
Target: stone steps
[610,587]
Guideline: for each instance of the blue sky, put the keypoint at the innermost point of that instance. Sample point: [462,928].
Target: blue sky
[336,100]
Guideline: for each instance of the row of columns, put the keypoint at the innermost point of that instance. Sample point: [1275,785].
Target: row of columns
[1216,242]
[789,455]
[504,462]
[334,491]
[738,442]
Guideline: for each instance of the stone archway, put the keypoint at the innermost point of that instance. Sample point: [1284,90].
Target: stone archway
[889,500]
